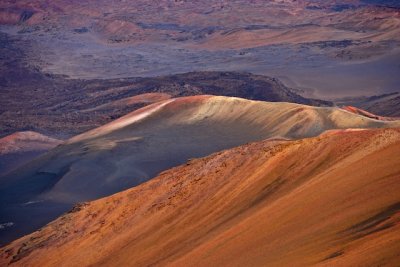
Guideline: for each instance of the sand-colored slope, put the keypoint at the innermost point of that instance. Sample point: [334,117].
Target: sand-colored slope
[136,147]
[269,119]
[331,200]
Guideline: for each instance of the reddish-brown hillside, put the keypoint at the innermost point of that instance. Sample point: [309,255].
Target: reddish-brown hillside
[138,146]
[327,200]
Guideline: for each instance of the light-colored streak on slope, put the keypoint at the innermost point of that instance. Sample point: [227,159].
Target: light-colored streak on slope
[146,98]
[327,200]
[121,122]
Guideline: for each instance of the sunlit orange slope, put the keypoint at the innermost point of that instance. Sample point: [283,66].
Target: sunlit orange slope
[331,199]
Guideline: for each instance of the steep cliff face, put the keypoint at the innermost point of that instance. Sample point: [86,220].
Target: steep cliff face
[327,200]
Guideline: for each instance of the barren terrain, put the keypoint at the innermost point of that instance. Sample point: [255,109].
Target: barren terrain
[199,133]
[308,44]
[59,107]
[56,54]
[254,205]
[138,146]
[21,147]
[387,104]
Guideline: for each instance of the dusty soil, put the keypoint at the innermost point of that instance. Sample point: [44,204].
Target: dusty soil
[135,148]
[254,205]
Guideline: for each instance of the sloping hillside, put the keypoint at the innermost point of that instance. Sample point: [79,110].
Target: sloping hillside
[21,147]
[138,146]
[331,200]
